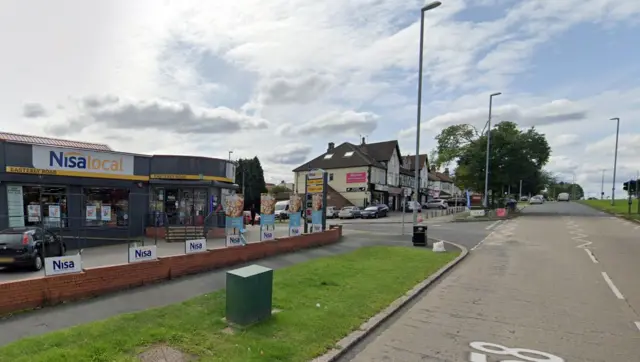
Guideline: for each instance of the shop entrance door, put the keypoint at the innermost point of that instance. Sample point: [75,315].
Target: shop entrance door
[185,206]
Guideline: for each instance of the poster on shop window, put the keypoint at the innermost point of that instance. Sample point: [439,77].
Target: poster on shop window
[267,217]
[234,223]
[33,212]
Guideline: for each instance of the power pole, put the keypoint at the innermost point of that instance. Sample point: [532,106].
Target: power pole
[520,197]
[602,186]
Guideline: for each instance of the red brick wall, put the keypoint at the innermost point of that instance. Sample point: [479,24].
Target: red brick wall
[41,291]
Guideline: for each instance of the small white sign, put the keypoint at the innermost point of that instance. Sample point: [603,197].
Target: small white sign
[195,246]
[521,354]
[294,231]
[234,240]
[477,213]
[267,235]
[142,253]
[63,265]
[316,228]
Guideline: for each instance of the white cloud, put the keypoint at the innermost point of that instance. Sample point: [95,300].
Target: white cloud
[202,77]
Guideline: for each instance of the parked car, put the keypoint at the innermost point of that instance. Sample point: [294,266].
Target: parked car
[375,211]
[332,212]
[28,246]
[349,212]
[437,204]
[563,196]
[524,198]
[282,210]
[536,200]
[410,205]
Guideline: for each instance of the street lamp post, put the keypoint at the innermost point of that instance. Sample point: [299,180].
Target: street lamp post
[602,186]
[615,162]
[230,152]
[486,171]
[416,190]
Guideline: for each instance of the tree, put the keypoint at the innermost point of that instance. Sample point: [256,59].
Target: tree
[250,174]
[515,155]
[575,191]
[279,188]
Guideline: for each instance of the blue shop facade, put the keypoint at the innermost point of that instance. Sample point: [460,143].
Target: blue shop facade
[90,193]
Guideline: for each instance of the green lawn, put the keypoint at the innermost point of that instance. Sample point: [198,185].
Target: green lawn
[349,289]
[621,207]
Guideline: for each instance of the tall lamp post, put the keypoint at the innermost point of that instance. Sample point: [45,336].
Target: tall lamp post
[416,190]
[486,171]
[615,162]
[602,186]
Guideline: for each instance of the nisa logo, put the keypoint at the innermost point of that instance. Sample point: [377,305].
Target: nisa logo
[268,235]
[195,246]
[141,254]
[80,161]
[63,264]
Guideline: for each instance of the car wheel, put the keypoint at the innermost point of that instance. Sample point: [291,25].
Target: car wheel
[376,215]
[38,263]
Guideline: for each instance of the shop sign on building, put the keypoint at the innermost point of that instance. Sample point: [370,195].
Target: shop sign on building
[81,161]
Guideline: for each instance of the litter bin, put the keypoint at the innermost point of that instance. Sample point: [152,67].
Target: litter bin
[419,237]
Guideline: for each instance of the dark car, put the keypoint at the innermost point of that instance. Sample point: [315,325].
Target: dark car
[374,212]
[28,246]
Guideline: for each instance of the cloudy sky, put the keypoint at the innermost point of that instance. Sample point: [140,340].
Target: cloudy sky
[282,78]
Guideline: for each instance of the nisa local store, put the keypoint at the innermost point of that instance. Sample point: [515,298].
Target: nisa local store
[93,195]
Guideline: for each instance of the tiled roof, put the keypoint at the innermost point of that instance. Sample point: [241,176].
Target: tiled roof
[337,159]
[410,161]
[444,177]
[433,177]
[407,172]
[53,142]
[381,151]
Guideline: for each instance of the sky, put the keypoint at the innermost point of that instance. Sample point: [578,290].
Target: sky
[283,78]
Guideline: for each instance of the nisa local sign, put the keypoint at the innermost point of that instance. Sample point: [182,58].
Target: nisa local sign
[81,161]
[63,265]
[195,246]
[142,253]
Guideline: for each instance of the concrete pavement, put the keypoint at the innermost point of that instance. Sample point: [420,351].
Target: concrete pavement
[528,293]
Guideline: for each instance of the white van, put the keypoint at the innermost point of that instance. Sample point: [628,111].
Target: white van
[282,209]
[563,196]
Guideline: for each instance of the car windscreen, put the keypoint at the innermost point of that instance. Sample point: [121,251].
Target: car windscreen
[9,239]
[347,208]
[372,208]
[281,207]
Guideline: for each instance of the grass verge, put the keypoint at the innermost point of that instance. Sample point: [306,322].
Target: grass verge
[621,208]
[349,289]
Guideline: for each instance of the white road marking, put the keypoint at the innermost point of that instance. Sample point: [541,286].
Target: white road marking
[593,258]
[586,243]
[477,357]
[638,325]
[523,354]
[612,286]
[493,225]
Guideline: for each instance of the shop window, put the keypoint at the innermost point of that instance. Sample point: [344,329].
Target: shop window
[106,207]
[40,205]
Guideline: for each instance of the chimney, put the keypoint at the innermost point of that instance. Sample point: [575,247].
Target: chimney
[331,146]
[433,169]
[363,141]
[446,171]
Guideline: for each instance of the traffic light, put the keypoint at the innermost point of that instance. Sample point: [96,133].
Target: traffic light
[630,186]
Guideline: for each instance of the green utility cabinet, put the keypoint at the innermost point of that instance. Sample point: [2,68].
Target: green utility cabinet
[249,295]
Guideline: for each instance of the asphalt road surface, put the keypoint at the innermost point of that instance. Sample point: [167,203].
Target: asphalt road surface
[557,284]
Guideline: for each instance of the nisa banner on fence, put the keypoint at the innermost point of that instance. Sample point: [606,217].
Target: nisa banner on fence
[195,246]
[267,209]
[142,253]
[295,209]
[63,265]
[267,217]
[233,209]
[317,211]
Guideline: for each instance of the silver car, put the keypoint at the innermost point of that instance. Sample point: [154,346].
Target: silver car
[349,212]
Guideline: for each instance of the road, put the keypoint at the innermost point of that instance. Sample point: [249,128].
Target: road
[118,254]
[557,284]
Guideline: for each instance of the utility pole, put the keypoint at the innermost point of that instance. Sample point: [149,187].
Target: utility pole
[520,193]
[602,186]
[486,167]
[615,162]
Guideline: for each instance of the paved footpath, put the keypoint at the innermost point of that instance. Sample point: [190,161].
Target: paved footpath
[528,293]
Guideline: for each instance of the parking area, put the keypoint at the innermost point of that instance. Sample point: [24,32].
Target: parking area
[118,254]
